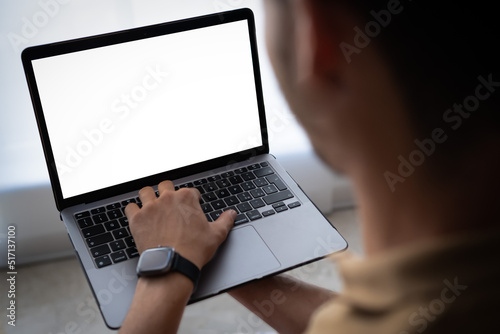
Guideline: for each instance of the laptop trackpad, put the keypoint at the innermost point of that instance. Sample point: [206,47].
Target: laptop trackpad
[242,257]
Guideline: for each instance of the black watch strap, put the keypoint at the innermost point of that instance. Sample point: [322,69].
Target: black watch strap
[186,268]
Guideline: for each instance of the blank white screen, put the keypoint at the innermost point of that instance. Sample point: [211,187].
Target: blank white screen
[127,111]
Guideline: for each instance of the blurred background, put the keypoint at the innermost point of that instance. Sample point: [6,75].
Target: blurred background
[26,199]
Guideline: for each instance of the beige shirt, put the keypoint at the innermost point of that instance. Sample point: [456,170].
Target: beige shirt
[446,286]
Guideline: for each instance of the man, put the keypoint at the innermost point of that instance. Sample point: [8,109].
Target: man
[403,98]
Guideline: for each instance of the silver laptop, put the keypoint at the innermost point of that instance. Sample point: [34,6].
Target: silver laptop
[179,101]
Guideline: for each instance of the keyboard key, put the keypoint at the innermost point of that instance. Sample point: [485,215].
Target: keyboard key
[223,183]
[100,218]
[210,187]
[98,210]
[206,207]
[113,206]
[99,239]
[83,214]
[244,197]
[118,256]
[128,201]
[257,203]
[294,205]
[123,221]
[264,171]
[253,167]
[115,214]
[208,218]
[257,193]
[270,189]
[244,207]
[241,170]
[278,197]
[213,178]
[230,208]
[247,186]
[112,225]
[235,189]
[215,215]
[100,250]
[222,193]
[248,176]
[187,185]
[219,204]
[103,261]
[200,182]
[93,230]
[85,222]
[275,205]
[254,215]
[274,179]
[227,174]
[208,197]
[121,233]
[281,208]
[231,200]
[130,241]
[264,164]
[117,245]
[260,182]
[200,189]
[240,219]
[132,252]
[235,179]
[268,213]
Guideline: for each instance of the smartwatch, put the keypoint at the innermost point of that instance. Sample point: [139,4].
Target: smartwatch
[162,260]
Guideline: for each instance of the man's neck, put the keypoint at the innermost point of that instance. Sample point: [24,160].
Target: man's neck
[417,210]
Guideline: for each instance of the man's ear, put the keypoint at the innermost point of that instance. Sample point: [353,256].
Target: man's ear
[316,44]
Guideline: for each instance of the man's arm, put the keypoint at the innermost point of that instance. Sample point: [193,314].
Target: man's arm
[158,305]
[174,219]
[283,302]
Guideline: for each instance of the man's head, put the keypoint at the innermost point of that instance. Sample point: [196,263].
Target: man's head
[403,97]
[369,78]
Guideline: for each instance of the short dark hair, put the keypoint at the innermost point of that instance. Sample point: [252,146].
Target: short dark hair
[438,50]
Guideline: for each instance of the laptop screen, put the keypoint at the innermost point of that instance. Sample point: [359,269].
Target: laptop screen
[125,111]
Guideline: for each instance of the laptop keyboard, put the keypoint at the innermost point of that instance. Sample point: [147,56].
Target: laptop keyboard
[254,192]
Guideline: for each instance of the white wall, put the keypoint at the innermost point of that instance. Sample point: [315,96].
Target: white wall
[25,195]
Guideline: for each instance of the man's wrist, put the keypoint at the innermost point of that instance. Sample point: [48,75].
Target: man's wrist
[165,261]
[174,280]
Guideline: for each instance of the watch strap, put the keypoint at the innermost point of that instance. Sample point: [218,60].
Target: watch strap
[186,267]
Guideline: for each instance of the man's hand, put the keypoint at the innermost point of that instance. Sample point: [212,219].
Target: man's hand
[175,219]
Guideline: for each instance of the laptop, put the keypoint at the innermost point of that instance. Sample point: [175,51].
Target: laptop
[180,101]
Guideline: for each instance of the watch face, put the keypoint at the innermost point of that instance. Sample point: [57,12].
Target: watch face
[155,261]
